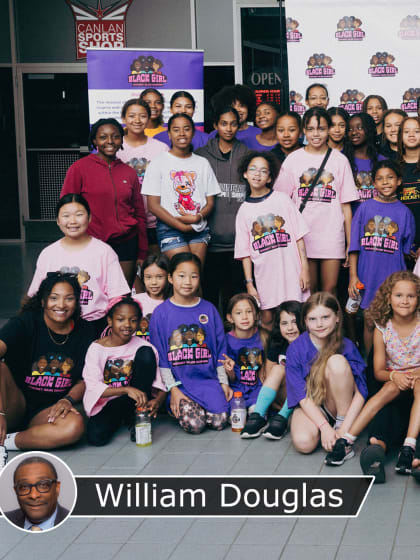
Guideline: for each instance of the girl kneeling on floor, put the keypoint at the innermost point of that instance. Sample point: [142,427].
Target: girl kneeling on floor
[395,311]
[325,377]
[121,371]
[188,333]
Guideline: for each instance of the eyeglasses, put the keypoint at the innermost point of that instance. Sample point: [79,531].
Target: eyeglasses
[255,171]
[42,486]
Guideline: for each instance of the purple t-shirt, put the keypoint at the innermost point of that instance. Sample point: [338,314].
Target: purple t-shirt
[253,144]
[200,138]
[248,355]
[242,135]
[190,341]
[382,232]
[301,354]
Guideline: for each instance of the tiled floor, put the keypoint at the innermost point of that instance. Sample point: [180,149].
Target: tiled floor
[387,528]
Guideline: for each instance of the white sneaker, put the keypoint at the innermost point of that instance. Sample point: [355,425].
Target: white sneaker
[3,457]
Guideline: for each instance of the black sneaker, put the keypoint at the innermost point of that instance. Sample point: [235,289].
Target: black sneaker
[405,459]
[277,427]
[254,426]
[341,451]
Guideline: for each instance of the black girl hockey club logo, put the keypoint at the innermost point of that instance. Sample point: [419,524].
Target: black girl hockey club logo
[295,100]
[410,98]
[382,65]
[410,28]
[352,101]
[349,29]
[145,72]
[380,235]
[319,66]
[293,34]
[323,190]
[268,233]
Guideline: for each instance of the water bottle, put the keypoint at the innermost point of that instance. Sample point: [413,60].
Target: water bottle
[143,428]
[353,304]
[238,415]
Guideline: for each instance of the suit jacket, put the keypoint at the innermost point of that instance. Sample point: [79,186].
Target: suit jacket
[18,517]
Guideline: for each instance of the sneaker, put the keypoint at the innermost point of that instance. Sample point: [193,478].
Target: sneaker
[372,461]
[3,457]
[341,451]
[277,427]
[405,459]
[254,427]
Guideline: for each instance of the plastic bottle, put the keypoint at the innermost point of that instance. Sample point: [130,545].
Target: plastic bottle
[238,409]
[353,304]
[143,428]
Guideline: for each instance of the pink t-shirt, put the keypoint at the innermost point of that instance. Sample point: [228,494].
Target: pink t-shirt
[323,212]
[417,267]
[98,271]
[148,305]
[267,230]
[139,157]
[111,367]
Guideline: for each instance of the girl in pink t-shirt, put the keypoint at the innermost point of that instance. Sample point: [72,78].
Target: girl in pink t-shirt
[154,278]
[94,262]
[269,235]
[328,211]
[138,151]
[121,372]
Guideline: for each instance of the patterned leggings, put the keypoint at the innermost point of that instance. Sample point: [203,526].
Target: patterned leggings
[193,418]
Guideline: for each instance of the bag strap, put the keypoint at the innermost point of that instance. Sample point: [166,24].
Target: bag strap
[315,181]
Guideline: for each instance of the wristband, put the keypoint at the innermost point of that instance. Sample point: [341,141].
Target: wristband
[249,280]
[2,413]
[323,424]
[391,375]
[70,399]
[172,385]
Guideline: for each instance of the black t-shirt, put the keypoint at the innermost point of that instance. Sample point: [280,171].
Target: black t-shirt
[276,351]
[43,369]
[409,193]
[386,151]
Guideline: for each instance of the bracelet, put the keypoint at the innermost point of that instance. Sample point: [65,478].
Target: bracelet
[249,280]
[391,375]
[70,399]
[323,424]
[2,413]
[172,385]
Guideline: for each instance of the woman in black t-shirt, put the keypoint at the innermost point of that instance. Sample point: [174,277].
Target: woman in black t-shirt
[41,377]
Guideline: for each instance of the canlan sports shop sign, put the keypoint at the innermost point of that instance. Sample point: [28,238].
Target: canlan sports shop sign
[116,75]
[99,27]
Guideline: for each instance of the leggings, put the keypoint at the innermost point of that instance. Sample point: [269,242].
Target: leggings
[193,418]
[102,426]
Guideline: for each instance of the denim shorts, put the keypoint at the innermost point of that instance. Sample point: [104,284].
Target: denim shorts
[170,238]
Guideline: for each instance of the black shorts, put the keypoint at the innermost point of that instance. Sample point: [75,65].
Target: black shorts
[126,249]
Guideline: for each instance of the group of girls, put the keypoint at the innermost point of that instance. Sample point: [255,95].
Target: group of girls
[273,224]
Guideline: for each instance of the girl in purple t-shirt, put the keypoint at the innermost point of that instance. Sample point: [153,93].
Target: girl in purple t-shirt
[188,333]
[325,377]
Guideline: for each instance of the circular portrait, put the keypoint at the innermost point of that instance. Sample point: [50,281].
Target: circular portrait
[37,491]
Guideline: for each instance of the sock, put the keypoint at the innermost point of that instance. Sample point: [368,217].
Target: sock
[285,410]
[9,442]
[411,442]
[265,398]
[338,421]
[350,439]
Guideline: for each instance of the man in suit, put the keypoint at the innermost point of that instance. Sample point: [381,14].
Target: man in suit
[37,489]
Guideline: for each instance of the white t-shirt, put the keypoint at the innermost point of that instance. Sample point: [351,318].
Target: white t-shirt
[182,183]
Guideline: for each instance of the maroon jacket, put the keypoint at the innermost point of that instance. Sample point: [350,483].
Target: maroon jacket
[112,191]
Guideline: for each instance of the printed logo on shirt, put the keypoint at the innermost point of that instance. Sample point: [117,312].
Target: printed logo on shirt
[204,319]
[51,373]
[139,165]
[319,66]
[410,193]
[250,361]
[232,191]
[143,331]
[382,65]
[117,373]
[293,34]
[145,72]
[323,191]
[184,186]
[86,295]
[365,186]
[349,29]
[187,346]
[269,233]
[410,28]
[410,97]
[380,235]
[351,101]
[296,104]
